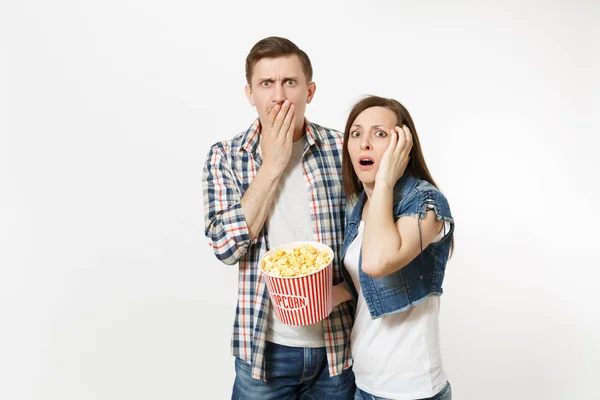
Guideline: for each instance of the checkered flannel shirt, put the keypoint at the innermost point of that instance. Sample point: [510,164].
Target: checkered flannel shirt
[229,169]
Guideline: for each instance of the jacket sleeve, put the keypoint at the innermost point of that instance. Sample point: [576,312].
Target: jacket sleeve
[419,201]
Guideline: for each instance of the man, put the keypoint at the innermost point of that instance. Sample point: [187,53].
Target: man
[278,182]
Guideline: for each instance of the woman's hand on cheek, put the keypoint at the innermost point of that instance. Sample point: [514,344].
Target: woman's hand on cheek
[395,158]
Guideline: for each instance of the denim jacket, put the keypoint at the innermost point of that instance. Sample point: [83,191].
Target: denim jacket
[421,277]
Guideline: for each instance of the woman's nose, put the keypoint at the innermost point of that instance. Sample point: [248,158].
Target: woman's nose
[365,144]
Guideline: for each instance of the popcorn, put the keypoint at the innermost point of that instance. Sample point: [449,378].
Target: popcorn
[302,260]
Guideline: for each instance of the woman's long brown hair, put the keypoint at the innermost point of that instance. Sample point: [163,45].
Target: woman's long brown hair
[416,165]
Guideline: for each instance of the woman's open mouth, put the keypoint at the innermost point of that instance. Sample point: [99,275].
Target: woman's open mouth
[366,163]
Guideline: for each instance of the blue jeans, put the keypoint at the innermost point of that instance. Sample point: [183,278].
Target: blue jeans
[444,394]
[293,373]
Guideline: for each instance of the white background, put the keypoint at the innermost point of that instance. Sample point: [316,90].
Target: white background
[107,110]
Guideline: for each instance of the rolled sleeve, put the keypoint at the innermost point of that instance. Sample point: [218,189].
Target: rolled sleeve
[419,201]
[226,228]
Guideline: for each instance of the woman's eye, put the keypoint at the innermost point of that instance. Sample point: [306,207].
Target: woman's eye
[355,134]
[381,133]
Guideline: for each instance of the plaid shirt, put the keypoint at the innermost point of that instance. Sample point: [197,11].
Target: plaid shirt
[230,167]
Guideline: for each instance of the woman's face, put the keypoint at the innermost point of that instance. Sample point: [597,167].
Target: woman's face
[368,140]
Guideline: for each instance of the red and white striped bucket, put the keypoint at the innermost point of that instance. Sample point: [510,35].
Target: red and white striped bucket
[302,300]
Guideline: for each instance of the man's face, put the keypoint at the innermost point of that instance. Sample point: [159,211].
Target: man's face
[275,80]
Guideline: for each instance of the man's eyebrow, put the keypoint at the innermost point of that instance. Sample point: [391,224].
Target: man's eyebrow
[295,78]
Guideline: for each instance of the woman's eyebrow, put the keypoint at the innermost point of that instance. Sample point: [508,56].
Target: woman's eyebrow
[372,126]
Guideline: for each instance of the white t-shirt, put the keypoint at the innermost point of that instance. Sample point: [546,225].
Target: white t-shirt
[290,221]
[396,356]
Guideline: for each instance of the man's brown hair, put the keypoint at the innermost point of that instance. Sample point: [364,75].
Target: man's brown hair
[273,47]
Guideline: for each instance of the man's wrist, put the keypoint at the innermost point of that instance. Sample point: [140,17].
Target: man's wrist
[270,172]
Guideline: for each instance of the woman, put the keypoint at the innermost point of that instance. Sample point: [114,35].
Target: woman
[397,241]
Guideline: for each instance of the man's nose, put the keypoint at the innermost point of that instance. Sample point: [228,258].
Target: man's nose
[279,95]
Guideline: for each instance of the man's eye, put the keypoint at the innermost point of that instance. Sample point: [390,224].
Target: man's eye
[381,133]
[265,83]
[290,82]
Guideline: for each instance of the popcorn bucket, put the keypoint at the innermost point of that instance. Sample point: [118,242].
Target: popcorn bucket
[304,299]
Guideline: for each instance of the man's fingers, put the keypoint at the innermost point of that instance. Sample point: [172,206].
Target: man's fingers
[273,114]
[287,122]
[290,131]
[281,116]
